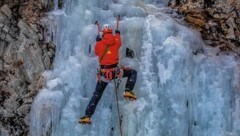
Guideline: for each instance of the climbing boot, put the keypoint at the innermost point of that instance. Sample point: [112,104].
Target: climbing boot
[130,95]
[85,120]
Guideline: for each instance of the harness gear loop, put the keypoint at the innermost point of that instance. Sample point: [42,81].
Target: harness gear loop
[119,114]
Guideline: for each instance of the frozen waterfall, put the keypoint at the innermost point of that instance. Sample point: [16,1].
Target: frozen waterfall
[179,93]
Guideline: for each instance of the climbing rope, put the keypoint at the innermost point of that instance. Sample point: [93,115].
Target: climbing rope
[116,92]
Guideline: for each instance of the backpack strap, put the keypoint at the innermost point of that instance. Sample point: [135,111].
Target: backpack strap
[104,53]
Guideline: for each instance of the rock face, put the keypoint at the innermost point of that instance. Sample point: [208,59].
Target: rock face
[218,21]
[24,56]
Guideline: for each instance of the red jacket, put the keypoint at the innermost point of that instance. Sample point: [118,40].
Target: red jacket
[114,43]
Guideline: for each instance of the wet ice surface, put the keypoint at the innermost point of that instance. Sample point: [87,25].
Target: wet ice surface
[179,94]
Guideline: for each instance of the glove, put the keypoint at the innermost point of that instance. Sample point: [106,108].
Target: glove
[98,38]
[117,32]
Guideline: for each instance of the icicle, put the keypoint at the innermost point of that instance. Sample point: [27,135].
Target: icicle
[56,4]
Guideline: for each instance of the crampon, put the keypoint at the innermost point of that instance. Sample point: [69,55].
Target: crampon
[85,120]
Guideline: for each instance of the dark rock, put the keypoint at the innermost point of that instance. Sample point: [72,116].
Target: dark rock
[9,38]
[5,29]
[1,25]
[3,36]
[24,109]
[231,23]
[231,34]
[2,17]
[27,30]
[7,11]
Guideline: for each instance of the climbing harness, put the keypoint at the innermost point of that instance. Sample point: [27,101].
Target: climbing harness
[109,73]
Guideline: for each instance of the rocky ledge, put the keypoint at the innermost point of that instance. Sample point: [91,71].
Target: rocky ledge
[218,21]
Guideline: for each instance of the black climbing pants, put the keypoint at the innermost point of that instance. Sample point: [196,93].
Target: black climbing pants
[100,87]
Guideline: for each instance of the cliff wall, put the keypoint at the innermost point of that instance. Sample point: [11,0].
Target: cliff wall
[23,57]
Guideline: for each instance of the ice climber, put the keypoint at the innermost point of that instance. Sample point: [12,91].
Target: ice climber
[106,49]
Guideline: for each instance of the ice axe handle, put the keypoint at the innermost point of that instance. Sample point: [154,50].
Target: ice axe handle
[97,23]
[118,18]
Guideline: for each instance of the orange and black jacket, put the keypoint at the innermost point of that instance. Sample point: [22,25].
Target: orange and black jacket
[114,43]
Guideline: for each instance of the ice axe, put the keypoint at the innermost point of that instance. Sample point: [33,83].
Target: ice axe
[118,19]
[98,26]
